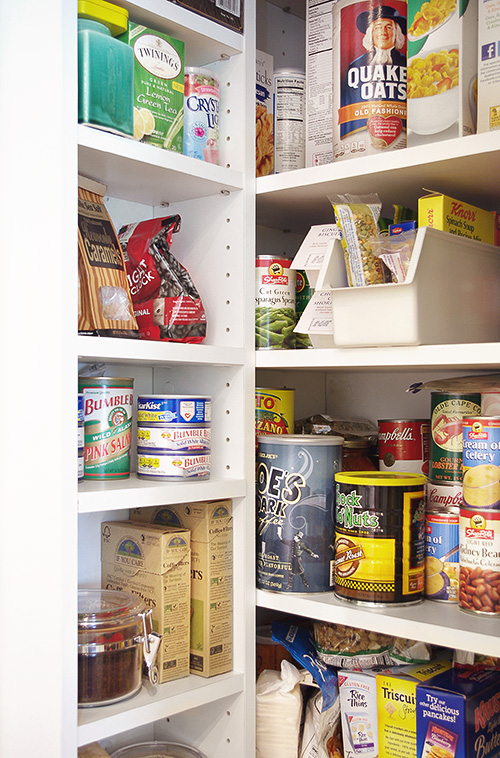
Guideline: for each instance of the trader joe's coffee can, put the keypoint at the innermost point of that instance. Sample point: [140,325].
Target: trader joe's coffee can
[448,410]
[275,315]
[108,403]
[369,87]
[379,537]
[403,445]
[295,504]
[274,411]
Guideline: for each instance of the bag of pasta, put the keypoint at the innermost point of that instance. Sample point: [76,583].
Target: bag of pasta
[358,216]
[167,305]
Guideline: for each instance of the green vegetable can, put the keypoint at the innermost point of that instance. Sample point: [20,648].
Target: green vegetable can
[275,315]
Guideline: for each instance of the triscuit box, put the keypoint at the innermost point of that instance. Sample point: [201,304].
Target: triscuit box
[458,714]
[442,212]
[158,86]
[396,706]
[264,131]
[319,82]
[358,708]
[442,69]
[488,80]
[211,527]
[153,562]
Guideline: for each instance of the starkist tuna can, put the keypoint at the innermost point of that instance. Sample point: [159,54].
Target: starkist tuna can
[295,504]
[159,410]
[379,537]
[369,88]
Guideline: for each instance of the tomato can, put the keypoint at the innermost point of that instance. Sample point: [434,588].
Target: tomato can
[108,403]
[274,411]
[380,537]
[295,508]
[403,445]
[369,87]
[448,410]
[441,552]
[275,315]
[479,540]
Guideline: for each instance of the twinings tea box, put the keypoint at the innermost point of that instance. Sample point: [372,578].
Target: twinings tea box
[396,706]
[454,216]
[458,714]
[153,562]
[211,527]
[158,86]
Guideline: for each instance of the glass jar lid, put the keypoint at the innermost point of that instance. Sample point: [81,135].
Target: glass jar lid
[157,750]
[99,609]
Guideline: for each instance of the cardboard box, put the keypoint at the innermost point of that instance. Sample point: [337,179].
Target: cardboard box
[158,86]
[444,41]
[211,527]
[459,712]
[488,77]
[442,212]
[225,12]
[319,82]
[396,706]
[358,708]
[264,103]
[153,562]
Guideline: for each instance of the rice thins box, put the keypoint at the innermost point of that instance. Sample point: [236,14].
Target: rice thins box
[158,86]
[153,562]
[211,527]
[465,220]
[358,709]
[488,80]
[458,714]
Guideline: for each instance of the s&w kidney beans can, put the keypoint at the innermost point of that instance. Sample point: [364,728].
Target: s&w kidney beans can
[480,560]
[404,445]
[369,88]
[379,537]
[295,504]
[448,410]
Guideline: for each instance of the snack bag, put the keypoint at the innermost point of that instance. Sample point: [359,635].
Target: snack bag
[167,305]
[358,217]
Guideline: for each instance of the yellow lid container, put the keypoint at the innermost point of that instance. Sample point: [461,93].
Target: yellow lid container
[112,16]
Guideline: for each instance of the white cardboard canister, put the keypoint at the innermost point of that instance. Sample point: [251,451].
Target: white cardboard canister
[201,114]
[289,119]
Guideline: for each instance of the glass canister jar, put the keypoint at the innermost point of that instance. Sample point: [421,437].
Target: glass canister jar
[355,456]
[114,636]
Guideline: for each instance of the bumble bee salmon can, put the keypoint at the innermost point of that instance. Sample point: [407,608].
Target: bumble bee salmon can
[379,537]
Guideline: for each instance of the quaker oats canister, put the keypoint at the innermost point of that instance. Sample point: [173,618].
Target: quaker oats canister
[448,410]
[295,505]
[369,88]
[379,537]
[108,403]
[403,445]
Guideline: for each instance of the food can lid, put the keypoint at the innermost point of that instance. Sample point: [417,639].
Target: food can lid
[301,439]
[381,478]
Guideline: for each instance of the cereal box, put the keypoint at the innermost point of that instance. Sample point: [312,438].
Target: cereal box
[264,134]
[358,708]
[158,86]
[442,69]
[488,80]
[396,706]
[458,715]
[454,216]
[153,562]
[211,527]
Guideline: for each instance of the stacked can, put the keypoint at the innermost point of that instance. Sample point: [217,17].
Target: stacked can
[173,437]
[444,492]
[81,436]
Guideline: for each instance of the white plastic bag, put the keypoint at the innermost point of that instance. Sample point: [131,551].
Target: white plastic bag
[278,712]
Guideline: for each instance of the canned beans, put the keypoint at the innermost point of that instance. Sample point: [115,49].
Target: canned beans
[480,589]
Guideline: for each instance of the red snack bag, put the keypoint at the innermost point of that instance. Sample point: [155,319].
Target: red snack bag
[167,305]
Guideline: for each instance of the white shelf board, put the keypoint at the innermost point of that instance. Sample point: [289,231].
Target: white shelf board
[465,168]
[483,355]
[114,350]
[133,492]
[205,41]
[146,173]
[435,623]
[151,704]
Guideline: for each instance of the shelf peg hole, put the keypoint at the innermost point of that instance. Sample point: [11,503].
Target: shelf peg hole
[225,192]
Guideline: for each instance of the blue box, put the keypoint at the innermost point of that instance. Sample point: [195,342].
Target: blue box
[404,226]
[458,713]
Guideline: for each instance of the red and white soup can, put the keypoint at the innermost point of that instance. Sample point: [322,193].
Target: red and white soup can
[403,445]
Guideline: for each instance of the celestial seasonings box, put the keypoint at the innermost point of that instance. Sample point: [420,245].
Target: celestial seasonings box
[158,86]
[458,715]
[454,216]
[211,527]
[153,562]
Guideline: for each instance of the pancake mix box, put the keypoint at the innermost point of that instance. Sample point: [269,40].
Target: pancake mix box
[153,562]
[458,715]
[211,526]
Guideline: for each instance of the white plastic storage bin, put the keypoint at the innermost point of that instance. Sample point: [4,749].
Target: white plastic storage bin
[451,295]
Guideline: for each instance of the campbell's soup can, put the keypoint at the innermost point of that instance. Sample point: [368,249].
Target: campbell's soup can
[479,539]
[369,87]
[441,551]
[107,403]
[275,315]
[403,445]
[448,410]
[295,511]
[274,411]
[380,537]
